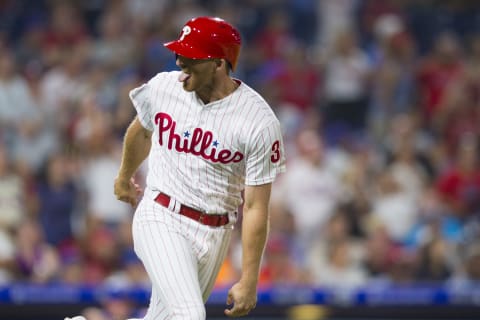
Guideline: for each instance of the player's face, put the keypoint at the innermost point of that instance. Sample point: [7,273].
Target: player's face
[197,74]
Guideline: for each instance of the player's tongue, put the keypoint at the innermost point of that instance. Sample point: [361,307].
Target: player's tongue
[183,76]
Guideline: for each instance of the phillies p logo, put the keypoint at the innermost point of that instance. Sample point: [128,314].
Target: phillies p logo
[185,31]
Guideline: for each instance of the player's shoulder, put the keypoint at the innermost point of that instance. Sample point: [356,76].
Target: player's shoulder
[164,77]
[263,110]
[162,81]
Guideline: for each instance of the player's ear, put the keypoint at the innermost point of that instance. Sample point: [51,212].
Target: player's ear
[223,64]
[218,64]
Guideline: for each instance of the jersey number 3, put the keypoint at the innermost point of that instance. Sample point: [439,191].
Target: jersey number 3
[275,152]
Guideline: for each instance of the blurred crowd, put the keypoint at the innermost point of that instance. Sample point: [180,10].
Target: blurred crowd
[379,101]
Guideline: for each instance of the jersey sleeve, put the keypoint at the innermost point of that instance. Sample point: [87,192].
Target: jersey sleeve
[265,156]
[141,100]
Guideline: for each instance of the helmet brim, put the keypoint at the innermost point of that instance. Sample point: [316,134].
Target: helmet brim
[184,49]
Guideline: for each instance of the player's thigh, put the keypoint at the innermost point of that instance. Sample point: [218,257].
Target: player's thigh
[171,266]
[209,265]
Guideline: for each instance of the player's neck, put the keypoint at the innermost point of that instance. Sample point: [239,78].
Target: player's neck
[220,88]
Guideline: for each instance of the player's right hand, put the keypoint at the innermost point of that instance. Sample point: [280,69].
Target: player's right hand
[127,190]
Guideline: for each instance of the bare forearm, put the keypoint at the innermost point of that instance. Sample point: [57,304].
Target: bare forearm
[243,294]
[254,236]
[136,147]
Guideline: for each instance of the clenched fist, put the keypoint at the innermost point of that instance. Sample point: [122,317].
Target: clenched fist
[127,190]
[243,297]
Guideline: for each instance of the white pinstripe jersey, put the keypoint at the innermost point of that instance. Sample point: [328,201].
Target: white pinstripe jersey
[204,154]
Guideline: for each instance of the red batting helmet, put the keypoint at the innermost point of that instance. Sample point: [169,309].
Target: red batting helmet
[208,37]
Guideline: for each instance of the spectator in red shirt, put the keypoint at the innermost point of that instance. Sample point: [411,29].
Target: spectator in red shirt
[437,73]
[66,30]
[271,41]
[460,185]
[298,82]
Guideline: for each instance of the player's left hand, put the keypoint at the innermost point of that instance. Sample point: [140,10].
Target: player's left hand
[127,190]
[243,297]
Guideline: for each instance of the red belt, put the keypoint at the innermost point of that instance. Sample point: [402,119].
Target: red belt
[214,220]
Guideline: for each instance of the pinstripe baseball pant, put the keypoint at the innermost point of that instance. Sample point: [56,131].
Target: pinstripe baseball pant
[182,258]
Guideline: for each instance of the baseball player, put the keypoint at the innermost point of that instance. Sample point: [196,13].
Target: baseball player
[208,137]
